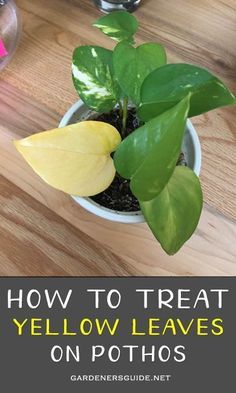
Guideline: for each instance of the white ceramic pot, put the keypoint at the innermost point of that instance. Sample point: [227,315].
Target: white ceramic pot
[191,149]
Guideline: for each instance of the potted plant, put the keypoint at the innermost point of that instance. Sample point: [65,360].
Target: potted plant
[127,151]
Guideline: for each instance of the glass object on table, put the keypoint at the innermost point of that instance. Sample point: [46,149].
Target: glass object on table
[9,31]
[117,5]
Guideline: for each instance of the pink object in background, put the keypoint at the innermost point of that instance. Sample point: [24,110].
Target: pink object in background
[10,27]
[3,51]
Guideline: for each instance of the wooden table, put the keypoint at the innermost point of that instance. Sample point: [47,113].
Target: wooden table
[42,231]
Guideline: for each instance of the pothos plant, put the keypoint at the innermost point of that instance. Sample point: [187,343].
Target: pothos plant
[77,159]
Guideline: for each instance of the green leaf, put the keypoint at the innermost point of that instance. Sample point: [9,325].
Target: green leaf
[118,25]
[132,65]
[167,85]
[149,155]
[174,214]
[92,71]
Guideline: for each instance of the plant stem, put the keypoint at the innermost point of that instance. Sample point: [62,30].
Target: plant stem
[120,109]
[125,115]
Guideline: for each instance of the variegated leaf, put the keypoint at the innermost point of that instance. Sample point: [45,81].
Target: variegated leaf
[174,214]
[92,71]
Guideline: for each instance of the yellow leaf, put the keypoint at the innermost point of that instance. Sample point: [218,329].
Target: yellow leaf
[74,159]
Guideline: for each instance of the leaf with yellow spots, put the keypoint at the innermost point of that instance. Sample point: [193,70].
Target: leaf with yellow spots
[173,215]
[92,74]
[118,25]
[74,159]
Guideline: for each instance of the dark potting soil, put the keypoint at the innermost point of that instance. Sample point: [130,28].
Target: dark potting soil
[118,195]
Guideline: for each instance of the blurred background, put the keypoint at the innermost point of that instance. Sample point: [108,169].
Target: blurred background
[116,5]
[10,27]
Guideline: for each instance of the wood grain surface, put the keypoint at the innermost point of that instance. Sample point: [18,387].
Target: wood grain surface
[42,231]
